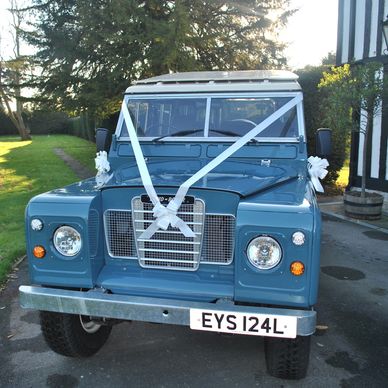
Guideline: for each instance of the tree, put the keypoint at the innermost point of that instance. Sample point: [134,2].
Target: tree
[355,96]
[90,52]
[11,75]
[316,116]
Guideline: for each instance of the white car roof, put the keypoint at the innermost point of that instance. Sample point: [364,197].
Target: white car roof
[218,81]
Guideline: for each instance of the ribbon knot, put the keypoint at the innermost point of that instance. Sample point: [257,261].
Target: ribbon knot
[103,167]
[101,160]
[166,216]
[317,170]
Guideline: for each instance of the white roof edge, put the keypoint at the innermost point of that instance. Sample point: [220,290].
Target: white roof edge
[220,80]
[215,88]
[223,76]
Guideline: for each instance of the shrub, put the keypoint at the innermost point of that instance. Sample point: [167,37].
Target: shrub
[316,116]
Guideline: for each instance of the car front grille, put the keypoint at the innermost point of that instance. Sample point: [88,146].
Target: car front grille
[170,249]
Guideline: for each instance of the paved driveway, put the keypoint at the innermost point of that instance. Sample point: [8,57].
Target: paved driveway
[350,349]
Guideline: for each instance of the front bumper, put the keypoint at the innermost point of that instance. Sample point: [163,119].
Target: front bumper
[97,304]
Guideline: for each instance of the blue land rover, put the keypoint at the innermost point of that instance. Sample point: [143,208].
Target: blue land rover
[202,213]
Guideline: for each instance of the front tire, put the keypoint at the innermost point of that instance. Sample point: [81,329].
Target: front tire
[72,335]
[287,358]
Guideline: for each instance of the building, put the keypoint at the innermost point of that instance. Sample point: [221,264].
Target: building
[361,39]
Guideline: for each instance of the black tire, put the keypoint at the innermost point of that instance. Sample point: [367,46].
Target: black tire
[287,358]
[65,334]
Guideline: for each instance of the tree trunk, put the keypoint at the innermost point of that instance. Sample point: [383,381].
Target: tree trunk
[369,122]
[16,118]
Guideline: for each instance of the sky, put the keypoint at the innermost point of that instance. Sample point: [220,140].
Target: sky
[311,32]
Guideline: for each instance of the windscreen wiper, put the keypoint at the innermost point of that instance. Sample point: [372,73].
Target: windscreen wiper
[179,133]
[191,131]
[231,133]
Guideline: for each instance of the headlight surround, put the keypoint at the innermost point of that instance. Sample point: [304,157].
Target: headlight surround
[264,252]
[67,241]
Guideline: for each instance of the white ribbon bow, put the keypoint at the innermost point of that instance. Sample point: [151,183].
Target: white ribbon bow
[101,160]
[166,216]
[103,167]
[317,169]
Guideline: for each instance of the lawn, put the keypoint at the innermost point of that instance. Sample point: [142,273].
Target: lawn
[28,168]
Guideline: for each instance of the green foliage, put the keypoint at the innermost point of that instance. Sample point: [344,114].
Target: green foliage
[354,96]
[90,52]
[357,89]
[39,123]
[7,127]
[19,181]
[82,126]
[316,117]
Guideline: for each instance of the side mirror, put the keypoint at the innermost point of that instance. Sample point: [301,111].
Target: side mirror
[103,139]
[323,142]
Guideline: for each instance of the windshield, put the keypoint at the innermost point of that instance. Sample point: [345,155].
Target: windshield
[208,116]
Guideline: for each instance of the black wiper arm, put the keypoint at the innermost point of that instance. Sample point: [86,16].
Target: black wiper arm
[179,133]
[231,133]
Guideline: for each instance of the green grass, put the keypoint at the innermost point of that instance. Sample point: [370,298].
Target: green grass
[28,168]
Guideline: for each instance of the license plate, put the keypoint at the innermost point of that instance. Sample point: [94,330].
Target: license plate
[243,323]
[165,199]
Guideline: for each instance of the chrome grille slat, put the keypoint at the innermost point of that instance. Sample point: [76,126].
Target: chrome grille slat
[151,221]
[172,241]
[166,251]
[157,252]
[170,261]
[165,231]
[150,211]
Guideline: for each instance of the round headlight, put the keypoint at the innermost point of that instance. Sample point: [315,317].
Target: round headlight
[67,241]
[264,252]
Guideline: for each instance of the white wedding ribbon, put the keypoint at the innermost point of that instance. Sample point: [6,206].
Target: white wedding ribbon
[166,216]
[101,161]
[102,167]
[317,170]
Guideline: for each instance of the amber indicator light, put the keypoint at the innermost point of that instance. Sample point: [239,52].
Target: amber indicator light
[39,252]
[297,268]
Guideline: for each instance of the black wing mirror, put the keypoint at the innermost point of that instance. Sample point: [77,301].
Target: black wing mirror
[103,139]
[323,142]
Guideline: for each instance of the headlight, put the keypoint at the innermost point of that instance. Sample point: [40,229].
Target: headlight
[67,241]
[264,252]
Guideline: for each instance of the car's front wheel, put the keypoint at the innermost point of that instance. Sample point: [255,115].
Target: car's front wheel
[73,335]
[287,358]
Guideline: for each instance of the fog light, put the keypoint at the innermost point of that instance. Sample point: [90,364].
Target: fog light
[298,238]
[36,224]
[39,252]
[297,268]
